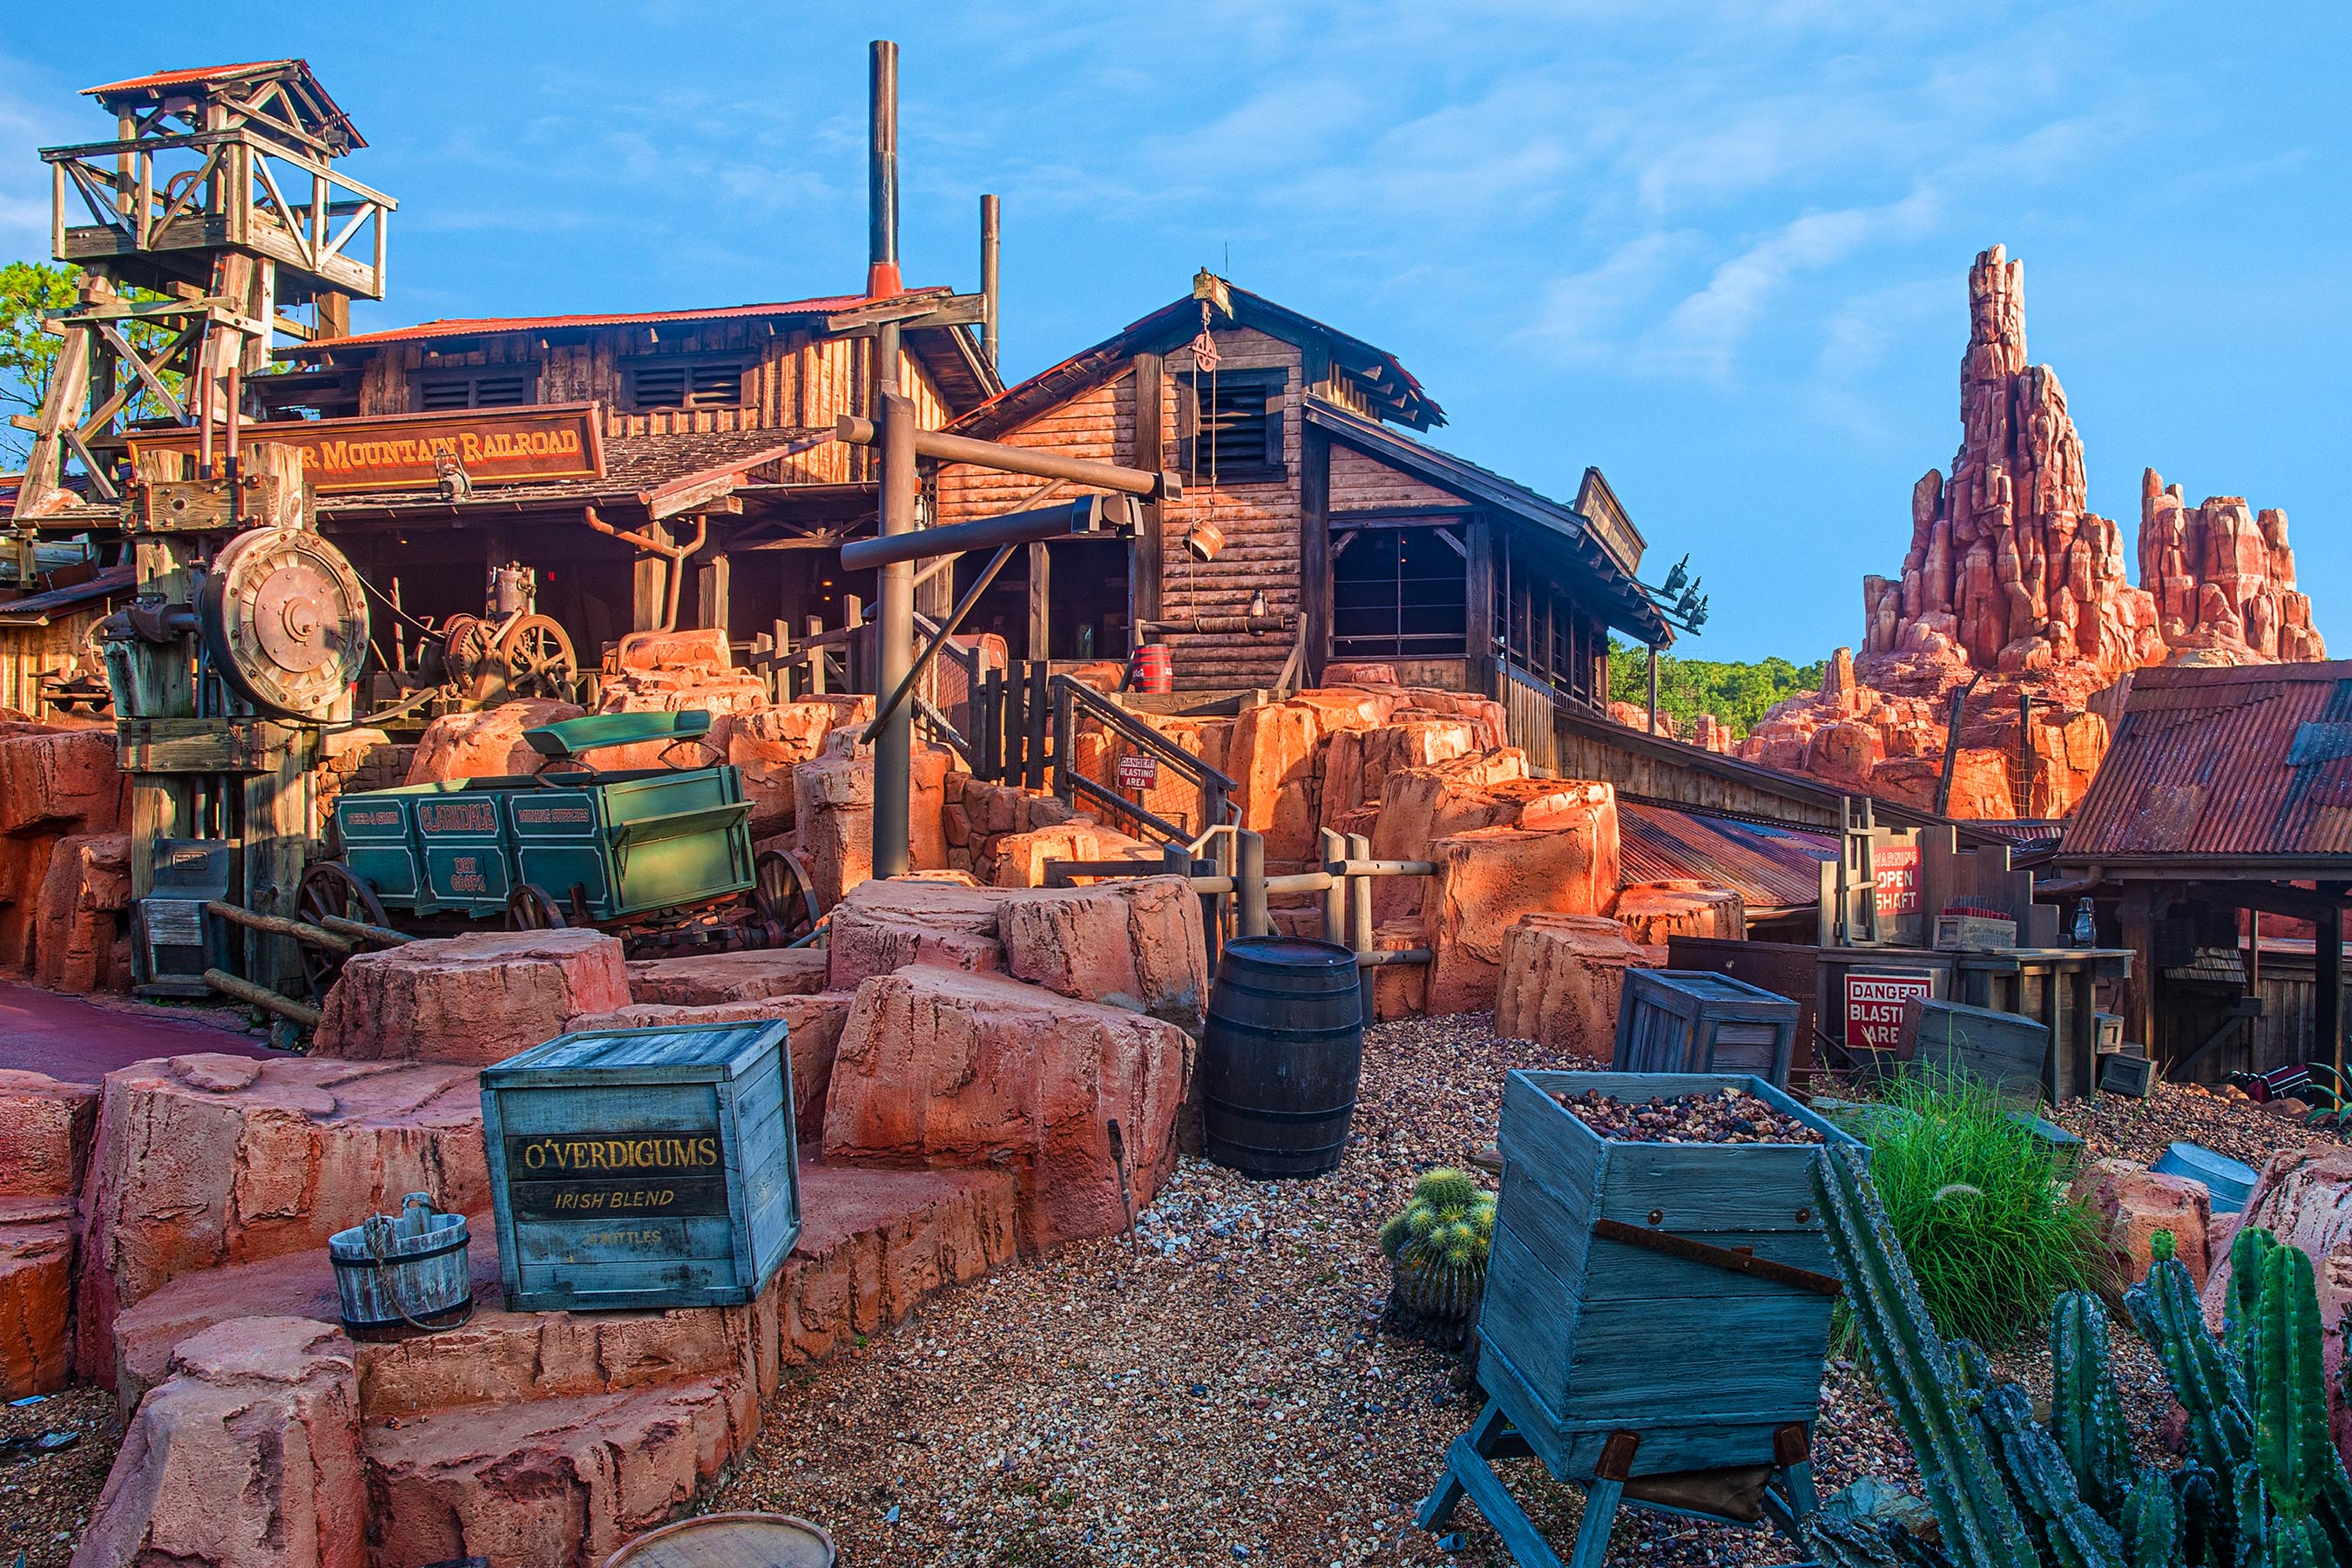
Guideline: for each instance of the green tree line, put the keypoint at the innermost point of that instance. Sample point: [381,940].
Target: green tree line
[1737,694]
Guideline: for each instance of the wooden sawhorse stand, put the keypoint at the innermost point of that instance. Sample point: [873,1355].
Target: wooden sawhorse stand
[1470,1472]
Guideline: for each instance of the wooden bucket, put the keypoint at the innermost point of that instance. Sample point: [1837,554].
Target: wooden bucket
[409,1271]
[729,1540]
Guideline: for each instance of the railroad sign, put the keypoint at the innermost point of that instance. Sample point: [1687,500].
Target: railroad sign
[1139,772]
[408,451]
[1896,867]
[1874,1006]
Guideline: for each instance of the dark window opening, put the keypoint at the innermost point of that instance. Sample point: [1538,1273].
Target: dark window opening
[686,383]
[506,387]
[1398,593]
[1234,426]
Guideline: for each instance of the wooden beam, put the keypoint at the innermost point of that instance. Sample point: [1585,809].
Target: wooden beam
[1040,581]
[649,585]
[1315,546]
[2328,985]
[1146,561]
[1479,609]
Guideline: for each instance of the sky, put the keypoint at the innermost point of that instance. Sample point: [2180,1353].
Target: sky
[1719,250]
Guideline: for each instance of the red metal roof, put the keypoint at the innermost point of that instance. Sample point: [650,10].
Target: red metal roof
[180,77]
[2249,766]
[1772,868]
[481,326]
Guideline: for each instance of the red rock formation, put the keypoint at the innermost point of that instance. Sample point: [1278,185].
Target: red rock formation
[1563,976]
[2011,576]
[474,998]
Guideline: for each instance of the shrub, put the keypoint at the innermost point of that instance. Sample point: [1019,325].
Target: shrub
[1975,1199]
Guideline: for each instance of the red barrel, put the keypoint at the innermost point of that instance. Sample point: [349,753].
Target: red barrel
[1150,671]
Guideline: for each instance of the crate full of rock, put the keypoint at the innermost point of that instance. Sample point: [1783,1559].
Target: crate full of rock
[1658,1270]
[643,1167]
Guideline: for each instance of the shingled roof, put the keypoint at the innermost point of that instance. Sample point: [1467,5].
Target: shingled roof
[1388,387]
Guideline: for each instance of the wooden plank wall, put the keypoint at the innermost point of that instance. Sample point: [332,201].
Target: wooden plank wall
[798,379]
[28,653]
[1360,483]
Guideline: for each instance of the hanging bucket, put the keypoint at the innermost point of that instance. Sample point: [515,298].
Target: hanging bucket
[1149,671]
[407,1272]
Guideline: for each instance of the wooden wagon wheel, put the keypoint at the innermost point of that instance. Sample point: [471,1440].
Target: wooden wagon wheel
[532,908]
[536,657]
[330,887]
[785,897]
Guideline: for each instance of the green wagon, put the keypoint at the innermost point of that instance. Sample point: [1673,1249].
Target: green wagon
[660,856]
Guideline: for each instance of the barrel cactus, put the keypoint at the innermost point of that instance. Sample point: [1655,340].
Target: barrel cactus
[1438,1245]
[2262,1487]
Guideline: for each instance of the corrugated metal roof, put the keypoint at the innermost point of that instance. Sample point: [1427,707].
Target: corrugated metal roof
[484,326]
[38,610]
[1772,868]
[2236,765]
[183,78]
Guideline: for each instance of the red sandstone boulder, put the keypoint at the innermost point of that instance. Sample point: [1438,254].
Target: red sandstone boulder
[1357,762]
[484,744]
[207,1159]
[61,780]
[813,1033]
[476,998]
[1346,674]
[937,919]
[1271,759]
[82,943]
[1561,859]
[1562,978]
[46,1125]
[768,745]
[37,1248]
[874,1243]
[704,980]
[834,813]
[1128,943]
[2134,1203]
[247,1455]
[1398,989]
[1021,858]
[940,1067]
[2305,1199]
[1655,912]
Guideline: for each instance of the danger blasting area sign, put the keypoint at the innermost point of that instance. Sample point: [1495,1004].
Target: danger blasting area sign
[1874,1007]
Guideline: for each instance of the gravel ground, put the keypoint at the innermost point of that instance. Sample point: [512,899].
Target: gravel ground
[2228,1123]
[44,1501]
[1225,1392]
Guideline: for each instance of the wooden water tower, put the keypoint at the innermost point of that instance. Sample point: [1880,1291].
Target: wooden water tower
[215,211]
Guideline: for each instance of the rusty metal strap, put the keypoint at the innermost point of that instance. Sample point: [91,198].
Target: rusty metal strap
[1724,1258]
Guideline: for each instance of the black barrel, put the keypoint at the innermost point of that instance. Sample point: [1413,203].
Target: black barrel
[1280,1057]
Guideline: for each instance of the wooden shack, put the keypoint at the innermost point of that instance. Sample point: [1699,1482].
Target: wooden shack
[1315,527]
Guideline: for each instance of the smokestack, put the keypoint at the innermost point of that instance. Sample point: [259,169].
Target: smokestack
[992,236]
[882,172]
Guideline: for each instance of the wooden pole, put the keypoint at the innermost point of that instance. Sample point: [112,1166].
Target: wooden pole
[1147,555]
[2328,981]
[992,235]
[882,172]
[1654,688]
[260,996]
[895,638]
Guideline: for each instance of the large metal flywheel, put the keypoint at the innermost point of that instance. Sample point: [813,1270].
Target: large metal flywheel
[285,620]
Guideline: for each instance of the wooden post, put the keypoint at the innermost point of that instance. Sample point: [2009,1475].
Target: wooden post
[1147,560]
[2136,997]
[649,585]
[895,640]
[713,582]
[992,231]
[2327,981]
[1041,588]
[1315,547]
[1478,610]
[277,836]
[1654,688]
[1041,701]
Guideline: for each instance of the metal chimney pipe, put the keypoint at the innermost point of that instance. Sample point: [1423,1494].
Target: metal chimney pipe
[882,172]
[991,239]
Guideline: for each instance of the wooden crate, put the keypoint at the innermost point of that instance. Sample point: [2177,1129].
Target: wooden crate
[1583,1336]
[2005,1050]
[643,1167]
[1690,1020]
[1975,933]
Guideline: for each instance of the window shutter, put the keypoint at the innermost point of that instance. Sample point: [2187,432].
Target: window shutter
[502,391]
[441,393]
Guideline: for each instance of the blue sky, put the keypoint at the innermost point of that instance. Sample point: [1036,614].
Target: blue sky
[1719,250]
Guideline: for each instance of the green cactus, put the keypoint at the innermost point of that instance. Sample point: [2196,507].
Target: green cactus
[1439,1245]
[2071,1535]
[2297,1543]
[2204,1378]
[2085,1413]
[2290,1393]
[2239,1304]
[2150,1523]
[1916,1372]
